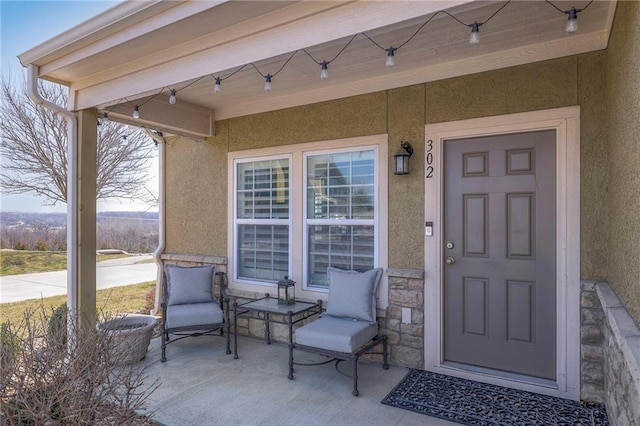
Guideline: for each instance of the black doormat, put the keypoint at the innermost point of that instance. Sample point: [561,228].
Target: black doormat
[474,403]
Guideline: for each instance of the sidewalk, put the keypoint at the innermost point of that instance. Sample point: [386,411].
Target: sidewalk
[109,273]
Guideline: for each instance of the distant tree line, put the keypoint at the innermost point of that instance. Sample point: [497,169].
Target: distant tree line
[113,231]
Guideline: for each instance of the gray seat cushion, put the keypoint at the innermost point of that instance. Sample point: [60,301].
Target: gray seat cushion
[336,334]
[193,314]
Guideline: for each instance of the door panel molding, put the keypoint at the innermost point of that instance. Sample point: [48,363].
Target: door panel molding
[566,123]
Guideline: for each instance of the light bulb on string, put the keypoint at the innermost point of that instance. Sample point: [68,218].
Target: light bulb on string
[267,83]
[390,57]
[216,87]
[474,37]
[172,98]
[105,117]
[136,111]
[572,21]
[324,73]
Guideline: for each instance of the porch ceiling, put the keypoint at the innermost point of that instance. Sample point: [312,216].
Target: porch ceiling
[138,49]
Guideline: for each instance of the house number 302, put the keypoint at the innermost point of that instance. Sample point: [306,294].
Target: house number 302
[429,159]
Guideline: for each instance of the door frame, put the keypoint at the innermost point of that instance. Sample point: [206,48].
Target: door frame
[566,123]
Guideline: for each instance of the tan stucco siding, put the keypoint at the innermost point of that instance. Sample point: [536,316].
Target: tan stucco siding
[406,193]
[593,165]
[343,118]
[196,193]
[531,87]
[623,107]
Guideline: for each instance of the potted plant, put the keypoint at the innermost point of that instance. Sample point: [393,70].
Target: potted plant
[129,335]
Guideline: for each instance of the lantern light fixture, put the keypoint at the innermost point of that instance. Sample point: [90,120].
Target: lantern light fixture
[172,98]
[286,291]
[216,87]
[136,111]
[402,158]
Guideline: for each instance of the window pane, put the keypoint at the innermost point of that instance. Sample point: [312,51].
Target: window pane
[263,189]
[263,252]
[341,246]
[341,186]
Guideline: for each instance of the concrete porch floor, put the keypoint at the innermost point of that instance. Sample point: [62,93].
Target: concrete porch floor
[201,385]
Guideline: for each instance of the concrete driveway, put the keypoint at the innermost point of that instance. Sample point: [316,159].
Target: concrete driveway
[109,273]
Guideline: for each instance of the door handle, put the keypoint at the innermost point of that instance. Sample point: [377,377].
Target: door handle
[450,260]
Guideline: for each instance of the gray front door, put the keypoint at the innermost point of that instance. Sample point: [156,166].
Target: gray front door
[500,253]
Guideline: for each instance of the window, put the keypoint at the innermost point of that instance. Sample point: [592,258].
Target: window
[297,209]
[262,219]
[340,218]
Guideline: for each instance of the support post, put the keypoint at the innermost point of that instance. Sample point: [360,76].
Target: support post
[86,219]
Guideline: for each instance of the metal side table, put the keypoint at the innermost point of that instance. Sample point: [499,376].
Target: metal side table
[269,305]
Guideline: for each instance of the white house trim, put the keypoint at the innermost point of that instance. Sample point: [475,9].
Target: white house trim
[566,122]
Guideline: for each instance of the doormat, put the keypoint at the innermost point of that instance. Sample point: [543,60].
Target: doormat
[474,403]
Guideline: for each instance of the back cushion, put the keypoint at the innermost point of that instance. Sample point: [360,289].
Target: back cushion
[189,284]
[353,294]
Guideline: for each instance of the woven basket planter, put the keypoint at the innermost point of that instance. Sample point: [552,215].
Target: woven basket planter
[130,336]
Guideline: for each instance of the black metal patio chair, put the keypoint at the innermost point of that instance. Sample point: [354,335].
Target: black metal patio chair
[348,328]
[189,307]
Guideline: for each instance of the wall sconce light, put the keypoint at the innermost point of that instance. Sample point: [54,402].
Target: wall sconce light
[402,158]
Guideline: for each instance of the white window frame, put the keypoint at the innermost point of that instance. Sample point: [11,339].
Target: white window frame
[350,222]
[297,200]
[236,221]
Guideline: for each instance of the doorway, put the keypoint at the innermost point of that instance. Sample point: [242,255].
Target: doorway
[502,260]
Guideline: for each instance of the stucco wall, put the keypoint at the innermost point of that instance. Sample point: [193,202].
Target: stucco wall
[593,165]
[197,172]
[196,194]
[623,107]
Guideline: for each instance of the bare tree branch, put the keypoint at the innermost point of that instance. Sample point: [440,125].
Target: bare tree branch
[33,148]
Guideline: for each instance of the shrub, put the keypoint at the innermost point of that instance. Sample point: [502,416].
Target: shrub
[57,326]
[19,245]
[41,246]
[149,300]
[52,384]
[9,348]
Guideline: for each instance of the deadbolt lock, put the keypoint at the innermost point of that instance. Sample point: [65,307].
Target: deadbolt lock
[450,245]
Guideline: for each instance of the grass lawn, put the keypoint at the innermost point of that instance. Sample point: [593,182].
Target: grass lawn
[14,262]
[136,298]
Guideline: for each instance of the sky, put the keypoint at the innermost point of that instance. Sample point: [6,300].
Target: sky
[24,25]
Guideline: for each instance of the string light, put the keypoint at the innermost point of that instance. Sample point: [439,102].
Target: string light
[474,38]
[267,83]
[324,73]
[390,59]
[572,21]
[105,117]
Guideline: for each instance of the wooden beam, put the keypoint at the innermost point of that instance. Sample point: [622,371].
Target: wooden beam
[182,118]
